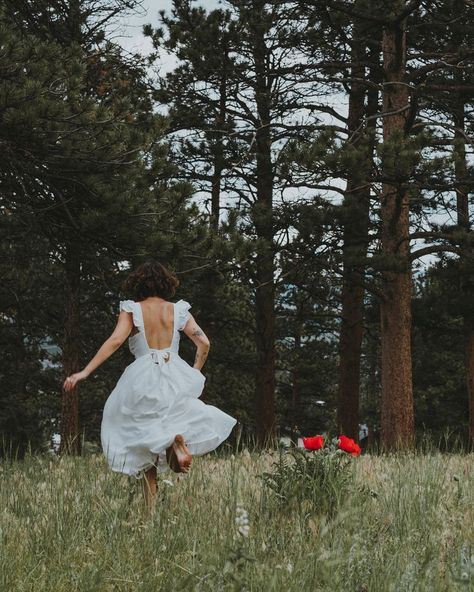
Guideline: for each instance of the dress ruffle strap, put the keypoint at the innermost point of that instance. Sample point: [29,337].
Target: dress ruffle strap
[134,308]
[182,311]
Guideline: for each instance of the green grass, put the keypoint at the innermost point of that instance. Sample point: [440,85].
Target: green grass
[71,524]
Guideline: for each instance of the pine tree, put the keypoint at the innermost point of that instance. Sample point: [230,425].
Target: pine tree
[464,182]
[84,178]
[446,91]
[438,355]
[397,421]
[261,114]
[202,42]
[306,331]
[363,106]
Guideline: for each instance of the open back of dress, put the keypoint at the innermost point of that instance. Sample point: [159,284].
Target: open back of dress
[158,324]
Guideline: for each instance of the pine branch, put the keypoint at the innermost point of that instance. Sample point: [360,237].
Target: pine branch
[434,249]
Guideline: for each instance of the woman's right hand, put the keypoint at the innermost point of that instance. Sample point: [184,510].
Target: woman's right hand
[71,381]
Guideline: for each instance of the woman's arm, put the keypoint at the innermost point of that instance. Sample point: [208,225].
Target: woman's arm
[110,345]
[200,340]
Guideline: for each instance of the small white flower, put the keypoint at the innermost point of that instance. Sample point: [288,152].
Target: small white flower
[241,516]
[168,482]
[242,521]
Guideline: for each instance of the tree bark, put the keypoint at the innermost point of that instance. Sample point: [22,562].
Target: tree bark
[372,390]
[262,213]
[218,148]
[469,362]
[356,228]
[356,209]
[464,223]
[296,387]
[70,437]
[397,417]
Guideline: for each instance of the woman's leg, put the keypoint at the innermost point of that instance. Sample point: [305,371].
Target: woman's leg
[149,487]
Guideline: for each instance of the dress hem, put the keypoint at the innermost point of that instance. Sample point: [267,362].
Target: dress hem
[196,449]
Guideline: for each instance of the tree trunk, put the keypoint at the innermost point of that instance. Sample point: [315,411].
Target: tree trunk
[463,220]
[218,148]
[265,344]
[70,440]
[356,228]
[397,420]
[469,361]
[217,151]
[373,378]
[296,389]
[263,219]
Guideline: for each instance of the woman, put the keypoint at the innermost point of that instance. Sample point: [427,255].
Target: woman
[153,417]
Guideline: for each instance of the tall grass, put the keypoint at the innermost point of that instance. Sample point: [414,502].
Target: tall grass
[71,524]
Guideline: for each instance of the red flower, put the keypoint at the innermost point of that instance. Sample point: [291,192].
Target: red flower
[348,445]
[313,443]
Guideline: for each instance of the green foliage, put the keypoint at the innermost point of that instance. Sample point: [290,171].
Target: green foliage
[82,174]
[85,168]
[438,346]
[318,481]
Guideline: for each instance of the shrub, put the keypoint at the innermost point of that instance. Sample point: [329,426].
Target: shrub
[319,480]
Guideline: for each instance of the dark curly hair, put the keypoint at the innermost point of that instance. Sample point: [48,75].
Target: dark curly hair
[151,279]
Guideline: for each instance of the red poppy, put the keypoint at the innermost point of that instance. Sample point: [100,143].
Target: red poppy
[348,445]
[313,443]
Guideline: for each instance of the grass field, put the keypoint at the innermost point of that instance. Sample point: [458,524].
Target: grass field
[404,523]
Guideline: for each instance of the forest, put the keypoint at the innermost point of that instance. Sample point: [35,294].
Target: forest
[305,168]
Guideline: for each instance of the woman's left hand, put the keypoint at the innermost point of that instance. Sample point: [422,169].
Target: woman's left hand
[71,381]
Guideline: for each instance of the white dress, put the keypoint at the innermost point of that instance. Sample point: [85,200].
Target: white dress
[154,400]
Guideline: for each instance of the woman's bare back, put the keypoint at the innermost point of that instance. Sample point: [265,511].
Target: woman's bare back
[158,322]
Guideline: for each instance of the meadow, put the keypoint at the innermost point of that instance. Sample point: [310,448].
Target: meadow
[402,522]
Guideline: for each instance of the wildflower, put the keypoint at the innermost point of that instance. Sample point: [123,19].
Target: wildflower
[242,521]
[313,443]
[348,445]
[168,482]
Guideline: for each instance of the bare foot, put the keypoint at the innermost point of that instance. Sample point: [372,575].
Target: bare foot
[178,455]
